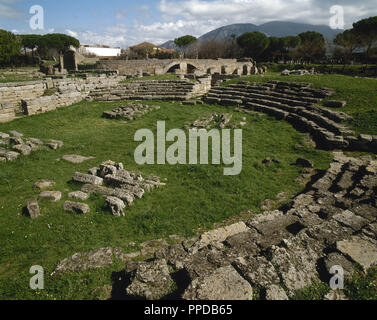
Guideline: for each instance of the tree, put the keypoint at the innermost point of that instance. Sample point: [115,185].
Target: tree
[276,48]
[312,46]
[291,43]
[349,40]
[60,42]
[10,46]
[185,42]
[253,43]
[31,41]
[213,49]
[366,29]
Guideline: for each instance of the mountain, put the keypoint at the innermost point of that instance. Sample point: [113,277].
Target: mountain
[283,29]
[169,45]
[227,31]
[271,29]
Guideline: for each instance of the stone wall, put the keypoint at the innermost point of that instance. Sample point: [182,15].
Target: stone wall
[49,103]
[7,111]
[298,104]
[29,98]
[201,86]
[16,91]
[176,90]
[157,66]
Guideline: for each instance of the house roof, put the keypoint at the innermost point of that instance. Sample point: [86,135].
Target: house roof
[151,45]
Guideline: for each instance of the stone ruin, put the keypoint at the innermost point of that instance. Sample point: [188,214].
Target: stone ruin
[127,185]
[297,103]
[14,144]
[299,72]
[130,111]
[278,252]
[272,255]
[122,188]
[215,120]
[176,90]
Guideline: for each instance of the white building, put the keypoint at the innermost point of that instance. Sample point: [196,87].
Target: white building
[99,51]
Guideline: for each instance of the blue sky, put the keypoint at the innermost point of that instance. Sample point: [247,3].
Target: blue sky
[124,23]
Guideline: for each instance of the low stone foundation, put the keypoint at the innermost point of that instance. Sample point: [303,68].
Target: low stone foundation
[7,111]
[296,103]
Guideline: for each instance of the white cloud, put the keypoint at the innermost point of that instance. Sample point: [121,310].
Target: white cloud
[196,17]
[260,11]
[7,12]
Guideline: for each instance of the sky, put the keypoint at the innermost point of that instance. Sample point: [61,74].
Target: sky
[124,23]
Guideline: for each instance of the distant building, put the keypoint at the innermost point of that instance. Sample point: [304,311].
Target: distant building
[150,49]
[99,50]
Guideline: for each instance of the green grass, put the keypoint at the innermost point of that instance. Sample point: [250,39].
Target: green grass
[7,75]
[360,94]
[49,92]
[194,197]
[362,286]
[317,291]
[349,70]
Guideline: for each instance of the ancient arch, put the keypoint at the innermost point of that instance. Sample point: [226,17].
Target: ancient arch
[173,68]
[183,66]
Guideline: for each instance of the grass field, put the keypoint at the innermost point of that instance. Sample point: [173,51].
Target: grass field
[195,197]
[360,94]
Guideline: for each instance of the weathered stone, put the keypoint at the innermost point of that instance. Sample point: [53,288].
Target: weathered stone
[276,293]
[54,144]
[219,235]
[32,208]
[336,295]
[16,134]
[273,232]
[335,104]
[223,284]
[35,141]
[360,251]
[119,193]
[257,270]
[79,195]
[74,158]
[44,183]
[116,206]
[50,195]
[244,243]
[351,220]
[10,155]
[175,255]
[296,265]
[151,280]
[336,259]
[98,258]
[23,149]
[93,171]
[4,135]
[87,178]
[77,207]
